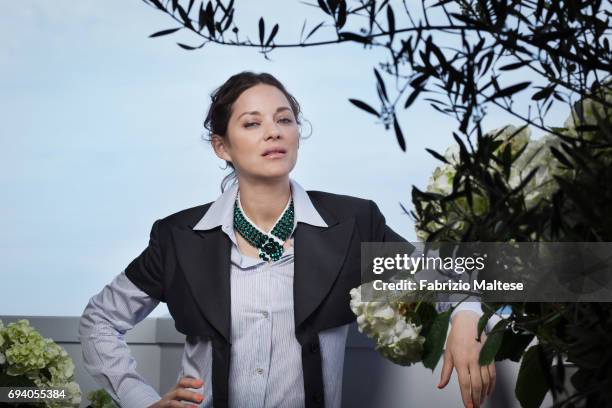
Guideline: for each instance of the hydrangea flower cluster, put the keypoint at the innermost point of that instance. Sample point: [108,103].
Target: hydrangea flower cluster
[100,398]
[536,153]
[397,338]
[26,354]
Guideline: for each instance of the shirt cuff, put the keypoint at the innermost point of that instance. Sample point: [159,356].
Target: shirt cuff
[476,307]
[141,396]
[470,306]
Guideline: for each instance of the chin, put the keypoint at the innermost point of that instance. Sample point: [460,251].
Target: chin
[275,172]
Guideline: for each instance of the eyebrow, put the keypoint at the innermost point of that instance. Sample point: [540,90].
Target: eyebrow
[280,109]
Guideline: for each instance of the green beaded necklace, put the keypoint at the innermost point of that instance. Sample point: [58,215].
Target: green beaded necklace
[270,244]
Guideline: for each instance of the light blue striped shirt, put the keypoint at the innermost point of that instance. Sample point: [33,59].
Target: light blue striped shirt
[265,365]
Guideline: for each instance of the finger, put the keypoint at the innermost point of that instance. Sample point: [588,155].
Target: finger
[492,376]
[476,383]
[186,395]
[463,376]
[447,370]
[190,382]
[486,383]
[175,404]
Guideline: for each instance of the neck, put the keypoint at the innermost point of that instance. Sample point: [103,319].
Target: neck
[264,201]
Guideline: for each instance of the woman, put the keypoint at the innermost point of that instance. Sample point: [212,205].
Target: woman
[257,280]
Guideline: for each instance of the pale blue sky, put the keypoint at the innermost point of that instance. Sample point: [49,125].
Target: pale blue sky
[100,136]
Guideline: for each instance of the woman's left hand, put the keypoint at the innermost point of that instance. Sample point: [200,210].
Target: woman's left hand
[462,351]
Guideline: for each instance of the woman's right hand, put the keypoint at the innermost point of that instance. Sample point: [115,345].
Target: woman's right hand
[173,398]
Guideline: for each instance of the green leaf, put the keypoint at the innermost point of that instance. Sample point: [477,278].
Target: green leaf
[434,344]
[586,128]
[398,134]
[185,16]
[482,322]
[513,66]
[513,346]
[390,22]
[543,93]
[229,20]
[525,181]
[531,385]
[364,106]
[187,47]
[491,346]
[313,30]
[507,160]
[416,82]
[341,15]
[381,84]
[158,4]
[426,315]
[262,30]
[272,34]
[165,32]
[323,7]
[201,17]
[412,97]
[437,155]
[210,19]
[561,157]
[332,5]
[511,90]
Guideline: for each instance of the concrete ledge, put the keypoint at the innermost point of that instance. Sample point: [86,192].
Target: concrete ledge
[368,379]
[152,330]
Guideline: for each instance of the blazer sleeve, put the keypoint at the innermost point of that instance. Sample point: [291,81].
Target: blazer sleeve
[146,271]
[381,232]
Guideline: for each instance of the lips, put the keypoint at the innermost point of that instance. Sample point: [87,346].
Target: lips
[273,151]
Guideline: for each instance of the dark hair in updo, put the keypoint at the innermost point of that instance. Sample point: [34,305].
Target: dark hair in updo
[223,98]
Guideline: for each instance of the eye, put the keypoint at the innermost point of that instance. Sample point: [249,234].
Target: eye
[250,124]
[286,120]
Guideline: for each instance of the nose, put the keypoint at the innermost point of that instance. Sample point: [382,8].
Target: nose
[273,131]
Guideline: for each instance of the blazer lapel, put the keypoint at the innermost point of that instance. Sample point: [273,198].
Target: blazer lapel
[319,256]
[204,257]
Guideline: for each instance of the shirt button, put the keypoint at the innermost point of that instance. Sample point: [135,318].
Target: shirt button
[259,371]
[264,314]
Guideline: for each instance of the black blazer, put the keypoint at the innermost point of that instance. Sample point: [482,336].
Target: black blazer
[190,271]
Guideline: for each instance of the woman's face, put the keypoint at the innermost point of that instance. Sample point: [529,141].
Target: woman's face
[262,135]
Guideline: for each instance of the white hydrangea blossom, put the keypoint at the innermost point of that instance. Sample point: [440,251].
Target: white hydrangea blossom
[536,154]
[396,339]
[591,111]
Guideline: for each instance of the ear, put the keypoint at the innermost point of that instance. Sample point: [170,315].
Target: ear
[219,146]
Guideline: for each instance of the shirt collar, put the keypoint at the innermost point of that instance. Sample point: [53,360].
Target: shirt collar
[221,211]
